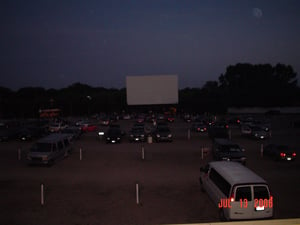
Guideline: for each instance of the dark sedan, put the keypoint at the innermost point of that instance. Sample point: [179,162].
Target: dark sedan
[137,134]
[113,135]
[280,152]
[163,134]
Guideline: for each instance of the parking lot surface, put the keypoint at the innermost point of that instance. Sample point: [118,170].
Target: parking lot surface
[101,188]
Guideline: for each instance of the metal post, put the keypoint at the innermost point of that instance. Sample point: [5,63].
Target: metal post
[137,194]
[262,150]
[42,194]
[143,152]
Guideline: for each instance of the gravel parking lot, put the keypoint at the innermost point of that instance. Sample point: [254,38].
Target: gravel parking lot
[101,188]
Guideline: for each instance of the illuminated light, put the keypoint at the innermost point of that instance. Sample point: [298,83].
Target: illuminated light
[227,126]
[232,197]
[238,121]
[282,154]
[294,154]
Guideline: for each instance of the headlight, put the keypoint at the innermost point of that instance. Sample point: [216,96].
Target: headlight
[131,135]
[118,138]
[108,138]
[157,135]
[170,135]
[142,135]
[100,133]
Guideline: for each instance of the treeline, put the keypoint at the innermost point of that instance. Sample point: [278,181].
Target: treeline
[241,85]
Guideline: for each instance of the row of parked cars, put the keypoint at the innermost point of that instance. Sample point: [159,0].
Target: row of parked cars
[138,133]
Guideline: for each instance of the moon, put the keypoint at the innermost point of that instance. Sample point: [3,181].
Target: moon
[257,13]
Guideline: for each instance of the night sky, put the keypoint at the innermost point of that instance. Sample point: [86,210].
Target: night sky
[53,44]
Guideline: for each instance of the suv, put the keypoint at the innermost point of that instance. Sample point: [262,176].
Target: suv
[49,149]
[224,149]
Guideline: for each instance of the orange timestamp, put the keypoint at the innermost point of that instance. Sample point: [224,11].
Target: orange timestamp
[258,203]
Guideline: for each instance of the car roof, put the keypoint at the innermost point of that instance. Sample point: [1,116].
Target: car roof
[236,173]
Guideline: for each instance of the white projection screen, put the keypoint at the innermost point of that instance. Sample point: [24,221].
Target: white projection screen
[151,90]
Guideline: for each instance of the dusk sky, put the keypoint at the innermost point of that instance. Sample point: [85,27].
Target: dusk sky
[53,44]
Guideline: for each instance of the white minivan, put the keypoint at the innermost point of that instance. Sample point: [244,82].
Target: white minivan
[49,149]
[238,192]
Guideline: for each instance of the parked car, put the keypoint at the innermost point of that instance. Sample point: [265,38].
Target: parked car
[280,152]
[30,133]
[105,121]
[199,127]
[246,130]
[137,134]
[49,149]
[88,127]
[113,135]
[224,149]
[259,133]
[57,127]
[163,133]
[74,132]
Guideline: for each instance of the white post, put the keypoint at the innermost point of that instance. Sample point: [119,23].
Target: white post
[262,150]
[42,194]
[201,152]
[137,194]
[143,152]
[189,134]
[19,154]
[80,154]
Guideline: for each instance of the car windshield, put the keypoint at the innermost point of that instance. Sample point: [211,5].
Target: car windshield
[41,147]
[164,129]
[113,131]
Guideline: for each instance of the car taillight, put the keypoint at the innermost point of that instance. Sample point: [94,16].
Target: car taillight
[204,128]
[232,197]
[294,154]
[198,129]
[227,126]
[282,154]
[238,121]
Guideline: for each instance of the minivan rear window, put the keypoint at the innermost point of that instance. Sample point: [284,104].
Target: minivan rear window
[261,192]
[243,193]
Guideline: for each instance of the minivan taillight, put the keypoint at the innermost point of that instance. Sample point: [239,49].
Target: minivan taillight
[282,154]
[294,154]
[232,197]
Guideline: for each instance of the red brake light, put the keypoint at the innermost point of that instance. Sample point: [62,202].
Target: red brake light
[227,126]
[205,129]
[238,121]
[232,197]
[282,154]
[294,154]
